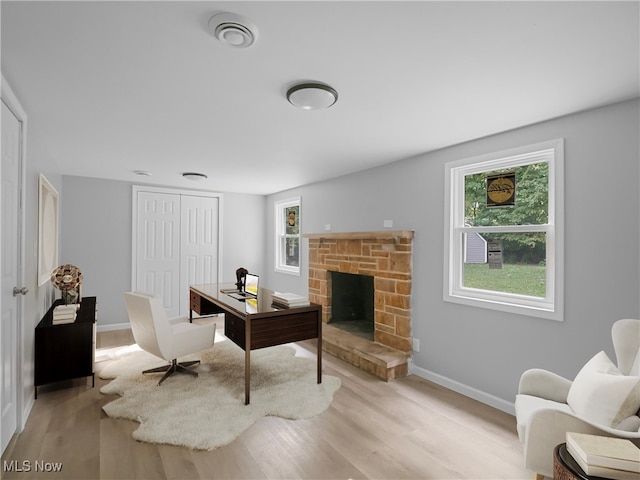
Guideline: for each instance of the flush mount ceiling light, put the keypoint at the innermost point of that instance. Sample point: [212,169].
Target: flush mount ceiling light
[194,176]
[143,173]
[312,95]
[233,30]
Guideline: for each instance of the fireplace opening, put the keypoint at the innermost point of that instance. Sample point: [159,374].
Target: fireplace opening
[352,303]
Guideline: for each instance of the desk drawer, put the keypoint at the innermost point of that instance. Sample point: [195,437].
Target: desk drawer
[267,332]
[234,329]
[201,305]
[274,330]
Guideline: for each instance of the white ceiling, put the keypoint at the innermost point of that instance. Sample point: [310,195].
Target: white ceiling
[112,87]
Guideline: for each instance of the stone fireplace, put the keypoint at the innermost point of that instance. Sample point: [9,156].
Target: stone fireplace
[387,257]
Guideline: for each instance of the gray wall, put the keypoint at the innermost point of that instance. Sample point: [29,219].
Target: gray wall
[483,352]
[96,236]
[244,226]
[479,352]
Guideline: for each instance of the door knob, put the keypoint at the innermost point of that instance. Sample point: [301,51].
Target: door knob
[20,291]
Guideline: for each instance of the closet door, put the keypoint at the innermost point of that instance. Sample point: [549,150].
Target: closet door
[176,243]
[198,244]
[158,247]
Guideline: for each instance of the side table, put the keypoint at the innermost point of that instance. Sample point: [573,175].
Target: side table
[566,468]
[67,351]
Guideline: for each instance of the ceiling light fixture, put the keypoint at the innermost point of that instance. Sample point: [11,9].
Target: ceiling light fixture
[312,95]
[194,176]
[143,173]
[233,30]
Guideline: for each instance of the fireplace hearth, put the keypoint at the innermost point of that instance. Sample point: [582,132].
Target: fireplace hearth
[385,257]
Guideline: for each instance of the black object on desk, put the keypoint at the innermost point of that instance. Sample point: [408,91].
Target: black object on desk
[66,351]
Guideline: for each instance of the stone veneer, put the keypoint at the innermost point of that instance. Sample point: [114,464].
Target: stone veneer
[386,256]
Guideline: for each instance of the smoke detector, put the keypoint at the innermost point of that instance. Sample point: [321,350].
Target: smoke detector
[233,30]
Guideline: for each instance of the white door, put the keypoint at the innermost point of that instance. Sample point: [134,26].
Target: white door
[176,244]
[10,191]
[158,248]
[198,245]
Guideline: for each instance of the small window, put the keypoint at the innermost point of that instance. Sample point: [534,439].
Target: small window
[287,218]
[504,231]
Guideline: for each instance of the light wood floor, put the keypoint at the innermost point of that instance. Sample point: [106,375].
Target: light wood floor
[408,428]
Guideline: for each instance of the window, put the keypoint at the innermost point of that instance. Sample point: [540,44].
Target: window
[287,218]
[504,231]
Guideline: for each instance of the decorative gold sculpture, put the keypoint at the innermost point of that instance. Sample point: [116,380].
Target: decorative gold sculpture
[68,279]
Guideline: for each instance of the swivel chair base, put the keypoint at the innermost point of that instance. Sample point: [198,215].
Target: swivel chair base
[174,367]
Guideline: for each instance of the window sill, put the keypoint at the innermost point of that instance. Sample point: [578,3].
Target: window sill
[289,271]
[505,305]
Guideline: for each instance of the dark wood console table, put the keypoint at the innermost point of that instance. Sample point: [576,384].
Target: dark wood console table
[66,351]
[257,323]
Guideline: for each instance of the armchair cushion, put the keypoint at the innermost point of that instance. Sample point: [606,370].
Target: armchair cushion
[528,405]
[602,394]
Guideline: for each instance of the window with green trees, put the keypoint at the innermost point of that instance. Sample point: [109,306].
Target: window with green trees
[504,232]
[287,217]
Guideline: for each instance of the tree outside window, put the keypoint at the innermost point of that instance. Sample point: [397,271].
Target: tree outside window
[292,237]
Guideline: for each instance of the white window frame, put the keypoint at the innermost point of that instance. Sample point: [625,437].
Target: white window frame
[280,230]
[550,307]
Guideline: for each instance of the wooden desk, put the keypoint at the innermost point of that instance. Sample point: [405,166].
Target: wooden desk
[256,323]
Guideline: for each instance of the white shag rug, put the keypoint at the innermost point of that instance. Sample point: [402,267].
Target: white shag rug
[208,412]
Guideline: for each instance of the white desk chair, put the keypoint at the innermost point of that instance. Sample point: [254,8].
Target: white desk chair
[163,337]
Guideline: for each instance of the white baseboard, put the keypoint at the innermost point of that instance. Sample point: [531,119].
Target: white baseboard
[113,326]
[27,409]
[463,389]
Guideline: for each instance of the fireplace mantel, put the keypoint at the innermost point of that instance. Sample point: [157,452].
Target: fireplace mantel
[360,235]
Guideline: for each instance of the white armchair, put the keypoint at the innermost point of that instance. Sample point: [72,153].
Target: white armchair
[166,338]
[548,405]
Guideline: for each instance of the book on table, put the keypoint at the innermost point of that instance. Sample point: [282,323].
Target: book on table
[65,309]
[289,299]
[64,319]
[64,314]
[609,457]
